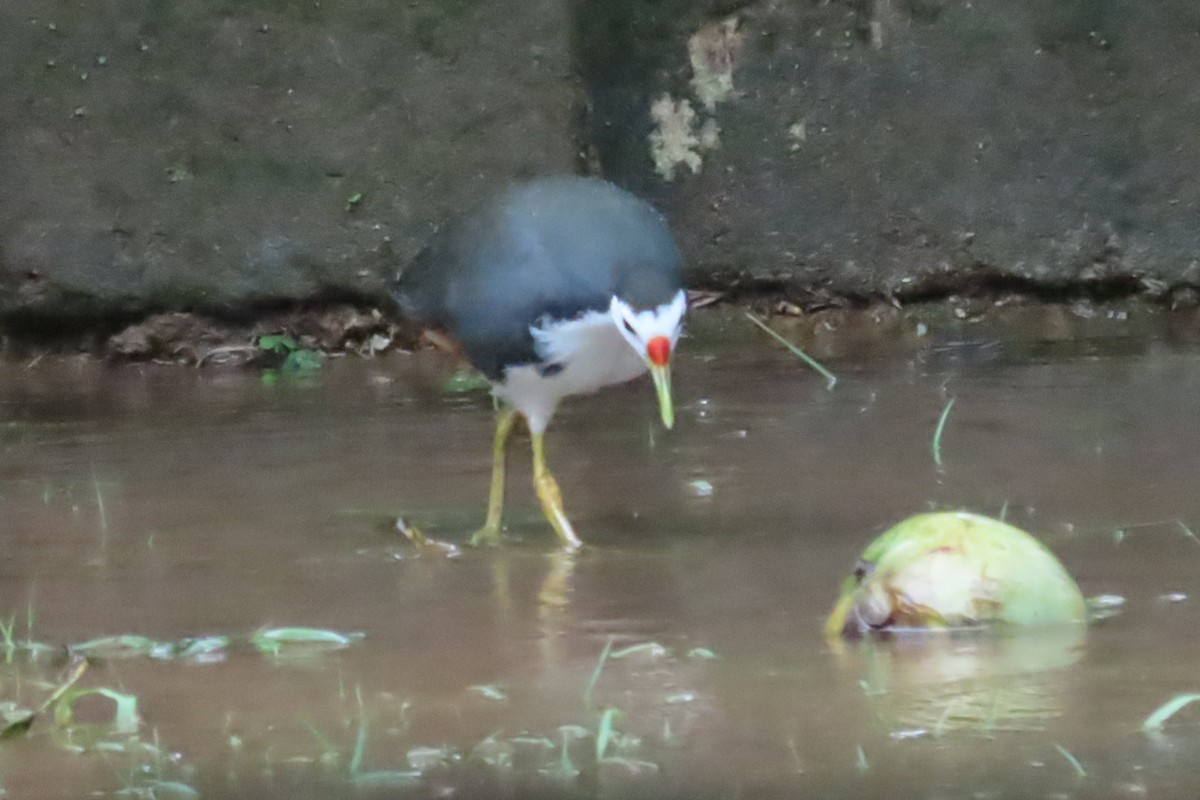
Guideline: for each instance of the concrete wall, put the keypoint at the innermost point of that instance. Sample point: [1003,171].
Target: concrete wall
[230,155]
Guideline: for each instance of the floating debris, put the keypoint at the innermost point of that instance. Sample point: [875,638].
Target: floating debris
[490,691]
[301,642]
[1105,606]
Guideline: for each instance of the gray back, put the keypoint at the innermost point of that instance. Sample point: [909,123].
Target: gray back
[555,247]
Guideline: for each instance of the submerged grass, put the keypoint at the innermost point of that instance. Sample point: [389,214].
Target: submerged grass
[605,732]
[60,699]
[936,445]
[39,699]
[125,718]
[101,512]
[360,740]
[572,752]
[1123,532]
[585,751]
[280,643]
[8,635]
[860,759]
[272,642]
[590,689]
[1072,760]
[142,768]
[301,642]
[1188,532]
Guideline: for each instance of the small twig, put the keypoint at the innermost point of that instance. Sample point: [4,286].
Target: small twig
[830,378]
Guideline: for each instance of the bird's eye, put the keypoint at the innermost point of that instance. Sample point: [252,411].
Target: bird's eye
[628,326]
[863,570]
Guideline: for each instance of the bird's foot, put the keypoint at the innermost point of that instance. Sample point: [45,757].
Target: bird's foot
[487,536]
[552,506]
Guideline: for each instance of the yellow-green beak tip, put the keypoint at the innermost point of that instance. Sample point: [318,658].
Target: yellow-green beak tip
[662,386]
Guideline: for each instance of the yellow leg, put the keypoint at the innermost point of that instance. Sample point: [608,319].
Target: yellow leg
[551,497]
[490,532]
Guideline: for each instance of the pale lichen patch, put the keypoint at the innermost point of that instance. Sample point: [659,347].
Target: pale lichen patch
[673,140]
[714,52]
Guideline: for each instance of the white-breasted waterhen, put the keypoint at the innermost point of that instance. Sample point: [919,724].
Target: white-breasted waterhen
[556,287]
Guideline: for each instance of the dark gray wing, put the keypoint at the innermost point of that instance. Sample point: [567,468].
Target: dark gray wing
[553,248]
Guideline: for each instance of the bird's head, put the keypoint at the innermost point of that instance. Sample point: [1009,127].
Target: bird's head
[652,334]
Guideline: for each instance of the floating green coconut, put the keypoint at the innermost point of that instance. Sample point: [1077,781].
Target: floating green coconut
[954,570]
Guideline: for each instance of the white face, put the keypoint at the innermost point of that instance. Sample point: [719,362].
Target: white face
[642,327]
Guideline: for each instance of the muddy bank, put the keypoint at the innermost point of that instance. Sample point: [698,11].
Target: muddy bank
[266,341]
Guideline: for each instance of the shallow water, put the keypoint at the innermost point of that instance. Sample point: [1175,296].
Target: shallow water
[174,503]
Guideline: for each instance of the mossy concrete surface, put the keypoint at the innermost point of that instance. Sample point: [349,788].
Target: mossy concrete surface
[225,155]
[234,156]
[909,147]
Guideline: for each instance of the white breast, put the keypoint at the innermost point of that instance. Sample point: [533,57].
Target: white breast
[593,354]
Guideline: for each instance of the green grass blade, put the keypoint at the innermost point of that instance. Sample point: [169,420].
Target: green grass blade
[830,378]
[360,741]
[278,343]
[592,681]
[301,641]
[103,514]
[328,748]
[605,732]
[652,649]
[490,691]
[7,633]
[381,780]
[125,717]
[1156,720]
[18,727]
[1072,760]
[172,790]
[937,433]
[22,725]
[121,646]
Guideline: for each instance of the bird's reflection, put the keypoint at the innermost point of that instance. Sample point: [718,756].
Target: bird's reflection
[553,595]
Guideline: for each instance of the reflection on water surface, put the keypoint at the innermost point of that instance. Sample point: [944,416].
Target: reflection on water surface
[680,655]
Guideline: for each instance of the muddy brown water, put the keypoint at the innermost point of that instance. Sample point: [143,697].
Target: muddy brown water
[174,503]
